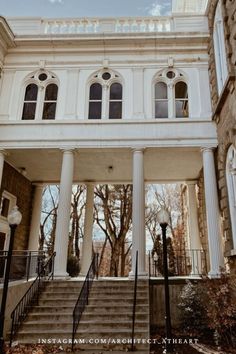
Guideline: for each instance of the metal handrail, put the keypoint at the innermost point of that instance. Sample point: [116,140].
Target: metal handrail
[18,315]
[135,301]
[84,295]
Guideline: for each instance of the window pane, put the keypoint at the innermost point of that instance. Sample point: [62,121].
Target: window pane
[95,92]
[51,92]
[31,92]
[181,108]
[116,92]
[181,90]
[49,110]
[95,110]
[160,90]
[161,109]
[115,110]
[29,111]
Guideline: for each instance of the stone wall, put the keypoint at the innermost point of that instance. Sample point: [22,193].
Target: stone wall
[18,185]
[224,109]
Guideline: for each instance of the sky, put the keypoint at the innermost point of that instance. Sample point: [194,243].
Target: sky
[84,8]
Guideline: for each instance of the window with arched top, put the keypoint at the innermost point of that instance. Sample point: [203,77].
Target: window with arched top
[40,103]
[231,186]
[30,102]
[105,96]
[219,48]
[171,95]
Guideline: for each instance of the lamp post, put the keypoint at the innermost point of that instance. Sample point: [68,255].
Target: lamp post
[155,259]
[163,219]
[14,219]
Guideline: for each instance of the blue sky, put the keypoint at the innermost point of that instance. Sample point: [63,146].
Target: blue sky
[82,8]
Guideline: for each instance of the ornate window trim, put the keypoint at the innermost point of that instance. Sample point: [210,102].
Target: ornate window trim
[102,77]
[171,77]
[34,78]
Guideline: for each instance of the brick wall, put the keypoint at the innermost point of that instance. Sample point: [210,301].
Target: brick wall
[18,185]
[224,108]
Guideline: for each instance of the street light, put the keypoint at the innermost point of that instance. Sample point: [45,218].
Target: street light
[14,219]
[163,219]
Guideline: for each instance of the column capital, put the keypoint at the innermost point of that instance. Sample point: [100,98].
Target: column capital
[65,150]
[89,183]
[3,152]
[138,149]
[209,148]
[191,183]
[39,185]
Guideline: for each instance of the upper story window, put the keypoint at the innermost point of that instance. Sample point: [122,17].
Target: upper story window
[105,96]
[171,95]
[219,48]
[40,98]
[231,186]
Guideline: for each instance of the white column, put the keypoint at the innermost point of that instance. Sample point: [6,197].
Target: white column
[63,214]
[213,213]
[88,231]
[138,217]
[36,217]
[194,235]
[2,158]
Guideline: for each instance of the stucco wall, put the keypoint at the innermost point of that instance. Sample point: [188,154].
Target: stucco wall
[15,292]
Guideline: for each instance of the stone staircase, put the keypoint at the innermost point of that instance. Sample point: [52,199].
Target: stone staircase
[106,324]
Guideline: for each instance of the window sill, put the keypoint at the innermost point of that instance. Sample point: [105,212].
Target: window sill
[231,253]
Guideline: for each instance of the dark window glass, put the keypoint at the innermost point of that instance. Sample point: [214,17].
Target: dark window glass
[29,111]
[115,110]
[161,109]
[50,102]
[116,91]
[31,92]
[95,92]
[43,77]
[181,100]
[95,110]
[160,90]
[170,74]
[106,76]
[51,92]
[5,207]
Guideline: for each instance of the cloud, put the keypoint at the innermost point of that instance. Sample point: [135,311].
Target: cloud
[160,8]
[56,1]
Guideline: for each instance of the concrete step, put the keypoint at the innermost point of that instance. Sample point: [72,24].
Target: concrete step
[123,308]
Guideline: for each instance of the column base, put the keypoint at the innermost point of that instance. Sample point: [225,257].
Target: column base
[62,275]
[141,275]
[214,274]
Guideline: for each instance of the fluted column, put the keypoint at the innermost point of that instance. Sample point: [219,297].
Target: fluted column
[88,231]
[194,235]
[213,213]
[35,220]
[138,216]
[63,214]
[2,158]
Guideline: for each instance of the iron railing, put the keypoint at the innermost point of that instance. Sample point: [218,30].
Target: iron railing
[135,301]
[180,263]
[31,297]
[24,264]
[82,301]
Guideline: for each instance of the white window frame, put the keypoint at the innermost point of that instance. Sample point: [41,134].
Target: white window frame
[42,85]
[4,226]
[231,187]
[219,48]
[179,77]
[106,84]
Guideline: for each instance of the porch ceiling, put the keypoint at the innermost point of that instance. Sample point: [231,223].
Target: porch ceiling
[109,165]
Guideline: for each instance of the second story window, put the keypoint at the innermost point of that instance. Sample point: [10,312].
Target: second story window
[40,98]
[171,95]
[105,96]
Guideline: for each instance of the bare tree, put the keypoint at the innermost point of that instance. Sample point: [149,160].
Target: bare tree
[113,214]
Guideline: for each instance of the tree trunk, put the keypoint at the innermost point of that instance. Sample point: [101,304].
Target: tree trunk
[115,258]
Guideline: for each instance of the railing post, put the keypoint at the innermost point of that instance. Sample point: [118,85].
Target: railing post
[28,265]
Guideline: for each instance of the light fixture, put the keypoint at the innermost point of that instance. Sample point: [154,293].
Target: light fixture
[14,217]
[163,216]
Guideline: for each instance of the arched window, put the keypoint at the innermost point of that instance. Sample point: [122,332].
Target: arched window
[115,104]
[181,99]
[50,102]
[95,101]
[231,186]
[40,104]
[105,96]
[171,95]
[219,48]
[161,100]
[30,102]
